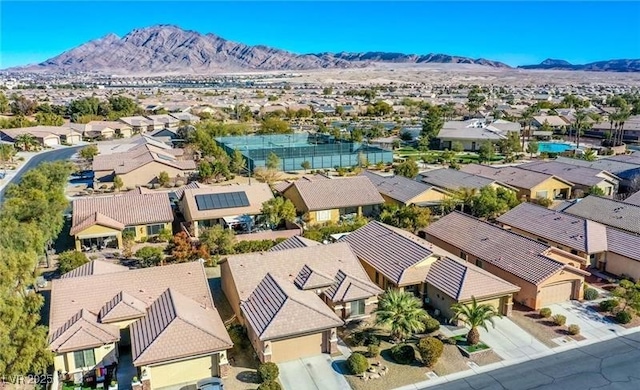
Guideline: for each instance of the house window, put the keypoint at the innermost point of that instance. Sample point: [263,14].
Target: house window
[323,215]
[130,230]
[153,230]
[357,308]
[463,255]
[479,263]
[84,358]
[377,278]
[541,194]
[574,252]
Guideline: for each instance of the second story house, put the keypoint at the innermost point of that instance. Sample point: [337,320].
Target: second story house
[395,258]
[602,247]
[330,200]
[544,274]
[583,178]
[531,185]
[232,206]
[403,191]
[164,318]
[100,222]
[292,300]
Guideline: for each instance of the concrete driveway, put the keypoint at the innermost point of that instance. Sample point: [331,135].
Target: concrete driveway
[593,325]
[510,341]
[313,373]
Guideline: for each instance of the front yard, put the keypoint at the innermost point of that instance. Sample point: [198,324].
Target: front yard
[541,328]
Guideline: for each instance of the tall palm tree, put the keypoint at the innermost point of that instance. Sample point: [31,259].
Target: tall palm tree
[475,315]
[25,141]
[579,124]
[623,116]
[465,197]
[402,312]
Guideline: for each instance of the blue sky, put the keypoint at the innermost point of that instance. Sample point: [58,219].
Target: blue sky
[516,32]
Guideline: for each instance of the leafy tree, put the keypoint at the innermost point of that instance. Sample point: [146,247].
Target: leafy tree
[181,248]
[532,147]
[408,168]
[306,165]
[266,175]
[402,312]
[89,152]
[475,100]
[20,105]
[70,260]
[412,218]
[84,106]
[273,161]
[49,119]
[163,178]
[486,152]
[277,210]
[4,103]
[432,125]
[457,146]
[118,183]
[380,108]
[327,91]
[238,163]
[628,293]
[218,239]
[274,126]
[205,171]
[123,105]
[595,190]
[475,315]
[128,239]
[510,145]
[7,152]
[150,256]
[490,202]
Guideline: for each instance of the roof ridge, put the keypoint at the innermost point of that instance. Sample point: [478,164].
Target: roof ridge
[288,297]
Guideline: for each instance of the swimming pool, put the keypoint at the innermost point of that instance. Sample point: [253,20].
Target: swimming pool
[554,147]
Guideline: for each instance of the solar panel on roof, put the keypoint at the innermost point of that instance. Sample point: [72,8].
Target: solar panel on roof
[222,201]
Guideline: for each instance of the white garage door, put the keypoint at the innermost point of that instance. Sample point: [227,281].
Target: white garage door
[555,293]
[299,347]
[51,141]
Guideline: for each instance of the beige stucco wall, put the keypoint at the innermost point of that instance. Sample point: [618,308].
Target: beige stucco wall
[620,265]
[183,372]
[148,173]
[105,355]
[97,230]
[552,186]
[229,290]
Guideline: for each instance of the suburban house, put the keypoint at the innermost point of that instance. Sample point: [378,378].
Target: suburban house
[403,191]
[185,117]
[553,121]
[163,121]
[141,165]
[139,124]
[606,211]
[99,130]
[232,206]
[333,199]
[544,274]
[292,300]
[603,247]
[45,135]
[453,180]
[100,222]
[395,258]
[583,178]
[471,134]
[163,317]
[530,185]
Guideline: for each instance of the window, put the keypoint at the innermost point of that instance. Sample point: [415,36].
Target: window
[479,263]
[323,215]
[377,278]
[85,358]
[541,194]
[130,229]
[357,308]
[153,230]
[463,255]
[574,252]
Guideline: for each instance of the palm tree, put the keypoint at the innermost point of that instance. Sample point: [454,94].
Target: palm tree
[589,155]
[465,197]
[579,125]
[402,312]
[25,141]
[623,115]
[475,315]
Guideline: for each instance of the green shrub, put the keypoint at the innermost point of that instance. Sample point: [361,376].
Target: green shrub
[430,350]
[373,351]
[545,312]
[238,334]
[268,371]
[270,385]
[253,246]
[574,329]
[559,319]
[590,294]
[623,317]
[403,354]
[357,363]
[609,305]
[364,337]
[431,325]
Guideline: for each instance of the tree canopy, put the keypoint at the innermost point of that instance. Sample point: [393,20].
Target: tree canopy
[408,168]
[278,210]
[412,218]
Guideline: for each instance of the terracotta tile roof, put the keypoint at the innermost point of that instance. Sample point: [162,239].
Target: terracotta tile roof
[127,210]
[97,219]
[514,176]
[337,193]
[462,281]
[633,199]
[176,327]
[294,242]
[138,156]
[349,288]
[506,250]
[257,194]
[623,243]
[123,306]
[575,174]
[95,267]
[607,211]
[574,232]
[309,279]
[396,187]
[453,180]
[82,331]
[276,308]
[283,185]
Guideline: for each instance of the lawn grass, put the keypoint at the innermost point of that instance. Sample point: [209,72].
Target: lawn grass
[461,342]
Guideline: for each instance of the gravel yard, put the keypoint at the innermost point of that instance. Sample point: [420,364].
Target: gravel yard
[542,329]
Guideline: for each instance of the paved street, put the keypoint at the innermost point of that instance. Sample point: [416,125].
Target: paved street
[53,155]
[608,365]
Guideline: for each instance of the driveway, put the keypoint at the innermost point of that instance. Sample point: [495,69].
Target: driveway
[593,326]
[313,373]
[510,341]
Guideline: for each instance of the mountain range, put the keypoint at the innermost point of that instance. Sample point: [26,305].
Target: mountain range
[170,49]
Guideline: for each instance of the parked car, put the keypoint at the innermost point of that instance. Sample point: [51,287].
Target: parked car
[210,384]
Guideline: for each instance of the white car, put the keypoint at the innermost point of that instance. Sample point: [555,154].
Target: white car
[210,384]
